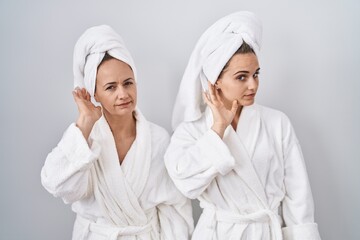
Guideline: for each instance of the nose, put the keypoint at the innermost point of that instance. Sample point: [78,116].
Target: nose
[252,83]
[122,93]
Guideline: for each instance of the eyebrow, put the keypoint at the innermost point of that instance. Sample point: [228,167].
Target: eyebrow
[245,71]
[109,83]
[128,79]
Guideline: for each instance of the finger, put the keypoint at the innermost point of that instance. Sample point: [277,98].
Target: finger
[83,93]
[206,99]
[76,93]
[80,94]
[88,97]
[98,108]
[234,106]
[212,92]
[77,99]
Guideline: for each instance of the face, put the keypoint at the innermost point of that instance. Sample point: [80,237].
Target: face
[239,80]
[116,88]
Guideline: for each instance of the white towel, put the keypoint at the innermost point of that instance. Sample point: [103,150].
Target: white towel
[213,50]
[90,50]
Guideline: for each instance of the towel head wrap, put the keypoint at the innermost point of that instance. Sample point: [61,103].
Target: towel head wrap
[90,50]
[213,50]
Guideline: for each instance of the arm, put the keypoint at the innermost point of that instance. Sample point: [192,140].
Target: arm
[297,205]
[194,161]
[66,172]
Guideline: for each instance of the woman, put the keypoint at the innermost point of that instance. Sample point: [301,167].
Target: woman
[109,164]
[240,159]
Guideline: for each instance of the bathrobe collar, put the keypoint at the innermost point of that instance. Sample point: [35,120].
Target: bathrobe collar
[242,144]
[119,187]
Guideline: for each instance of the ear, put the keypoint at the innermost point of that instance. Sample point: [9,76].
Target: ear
[95,97]
[218,84]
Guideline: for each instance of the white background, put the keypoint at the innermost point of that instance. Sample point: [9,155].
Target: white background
[309,69]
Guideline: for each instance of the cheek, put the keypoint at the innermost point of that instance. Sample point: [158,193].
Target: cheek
[257,84]
[236,90]
[133,93]
[107,99]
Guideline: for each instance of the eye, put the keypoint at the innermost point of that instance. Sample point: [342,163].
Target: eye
[256,75]
[128,83]
[110,88]
[241,77]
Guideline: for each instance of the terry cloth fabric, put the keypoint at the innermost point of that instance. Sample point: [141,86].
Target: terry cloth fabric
[213,50]
[89,51]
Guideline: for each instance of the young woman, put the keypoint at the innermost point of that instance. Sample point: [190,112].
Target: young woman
[240,159]
[109,164]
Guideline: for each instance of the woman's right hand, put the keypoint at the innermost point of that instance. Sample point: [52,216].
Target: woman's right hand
[88,113]
[222,117]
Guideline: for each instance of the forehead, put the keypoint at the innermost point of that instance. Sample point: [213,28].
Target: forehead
[114,69]
[246,61]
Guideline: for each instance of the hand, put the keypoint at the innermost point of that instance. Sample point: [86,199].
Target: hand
[88,113]
[221,115]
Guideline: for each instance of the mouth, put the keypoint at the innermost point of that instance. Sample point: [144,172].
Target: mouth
[250,95]
[124,105]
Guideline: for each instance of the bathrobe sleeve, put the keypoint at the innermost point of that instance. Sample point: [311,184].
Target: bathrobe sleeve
[66,172]
[174,209]
[175,214]
[195,157]
[297,205]
[176,221]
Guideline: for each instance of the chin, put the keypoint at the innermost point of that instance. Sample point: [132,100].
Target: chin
[123,112]
[247,103]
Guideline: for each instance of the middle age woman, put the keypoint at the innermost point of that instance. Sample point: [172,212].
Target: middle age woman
[109,164]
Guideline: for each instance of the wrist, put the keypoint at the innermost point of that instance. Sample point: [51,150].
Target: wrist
[85,120]
[219,129]
[85,124]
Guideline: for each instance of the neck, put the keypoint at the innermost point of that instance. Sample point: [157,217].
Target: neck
[235,121]
[121,126]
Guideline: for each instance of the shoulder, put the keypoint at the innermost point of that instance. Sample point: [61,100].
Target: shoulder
[272,115]
[278,121]
[270,112]
[158,134]
[160,140]
[193,129]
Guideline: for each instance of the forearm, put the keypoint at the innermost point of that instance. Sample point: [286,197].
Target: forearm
[85,124]
[66,169]
[219,129]
[193,164]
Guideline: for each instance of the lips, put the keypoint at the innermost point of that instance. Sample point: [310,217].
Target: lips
[252,95]
[123,105]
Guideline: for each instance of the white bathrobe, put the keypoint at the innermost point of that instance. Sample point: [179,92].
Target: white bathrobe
[134,200]
[252,184]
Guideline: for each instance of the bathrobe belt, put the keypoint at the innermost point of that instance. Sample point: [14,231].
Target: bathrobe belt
[113,232]
[262,215]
